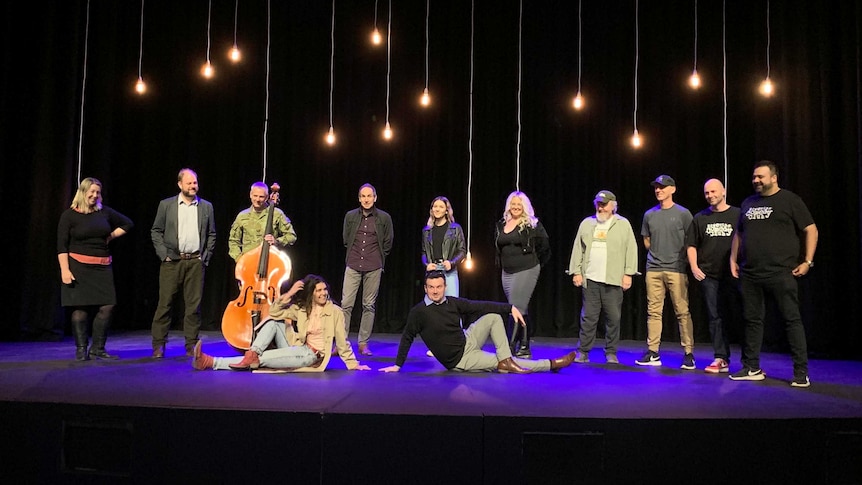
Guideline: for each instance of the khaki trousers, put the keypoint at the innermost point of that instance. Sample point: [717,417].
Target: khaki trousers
[658,284]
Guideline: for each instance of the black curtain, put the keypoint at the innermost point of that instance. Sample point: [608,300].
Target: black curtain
[136,144]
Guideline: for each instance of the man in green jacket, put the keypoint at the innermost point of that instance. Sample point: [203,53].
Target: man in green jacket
[248,229]
[604,259]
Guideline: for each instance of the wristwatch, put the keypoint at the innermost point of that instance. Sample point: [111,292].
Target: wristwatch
[810,263]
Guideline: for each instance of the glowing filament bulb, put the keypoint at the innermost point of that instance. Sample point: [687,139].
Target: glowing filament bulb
[140,86]
[578,102]
[330,137]
[766,88]
[469,263]
[234,54]
[694,80]
[425,100]
[387,132]
[207,70]
[375,37]
[636,139]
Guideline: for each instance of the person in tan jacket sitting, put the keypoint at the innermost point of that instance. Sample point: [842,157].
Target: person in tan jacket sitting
[303,323]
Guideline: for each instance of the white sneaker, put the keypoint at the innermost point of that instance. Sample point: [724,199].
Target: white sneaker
[429,354]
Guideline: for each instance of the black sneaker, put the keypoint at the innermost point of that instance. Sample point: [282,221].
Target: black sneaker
[649,358]
[800,381]
[746,374]
[688,362]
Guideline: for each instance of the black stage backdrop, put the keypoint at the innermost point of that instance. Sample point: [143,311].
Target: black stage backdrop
[136,145]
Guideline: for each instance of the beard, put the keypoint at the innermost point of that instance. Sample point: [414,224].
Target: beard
[603,217]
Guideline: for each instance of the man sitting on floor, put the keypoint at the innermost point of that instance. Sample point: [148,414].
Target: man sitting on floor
[303,323]
[438,319]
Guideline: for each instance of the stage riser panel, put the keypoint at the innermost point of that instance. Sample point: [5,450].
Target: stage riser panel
[70,443]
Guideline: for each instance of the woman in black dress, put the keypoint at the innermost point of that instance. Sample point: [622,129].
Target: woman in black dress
[83,234]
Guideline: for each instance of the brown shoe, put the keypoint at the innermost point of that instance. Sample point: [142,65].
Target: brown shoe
[509,365]
[200,360]
[564,361]
[159,352]
[249,361]
[364,350]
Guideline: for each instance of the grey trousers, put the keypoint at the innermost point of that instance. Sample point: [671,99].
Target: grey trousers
[370,281]
[598,298]
[476,359]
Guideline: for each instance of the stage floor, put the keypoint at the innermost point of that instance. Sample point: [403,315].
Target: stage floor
[45,372]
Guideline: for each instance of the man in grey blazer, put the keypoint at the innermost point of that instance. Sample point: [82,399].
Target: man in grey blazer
[183,235]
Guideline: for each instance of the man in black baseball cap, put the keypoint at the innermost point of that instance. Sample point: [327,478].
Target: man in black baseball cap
[663,230]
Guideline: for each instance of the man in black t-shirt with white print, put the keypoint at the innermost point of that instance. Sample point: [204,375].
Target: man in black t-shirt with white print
[765,256]
[708,249]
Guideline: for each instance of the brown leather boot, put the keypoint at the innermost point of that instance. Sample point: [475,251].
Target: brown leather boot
[200,360]
[249,361]
[508,365]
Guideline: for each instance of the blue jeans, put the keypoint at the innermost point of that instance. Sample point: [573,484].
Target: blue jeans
[717,326]
[785,290]
[597,297]
[370,281]
[453,285]
[282,357]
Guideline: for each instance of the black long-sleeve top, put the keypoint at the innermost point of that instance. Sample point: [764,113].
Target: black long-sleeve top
[88,233]
[440,327]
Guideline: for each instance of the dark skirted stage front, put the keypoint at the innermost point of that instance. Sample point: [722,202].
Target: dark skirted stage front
[138,420]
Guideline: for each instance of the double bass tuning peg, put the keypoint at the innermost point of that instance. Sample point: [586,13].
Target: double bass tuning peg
[273,193]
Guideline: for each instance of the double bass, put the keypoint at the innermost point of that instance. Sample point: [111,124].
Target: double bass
[259,274]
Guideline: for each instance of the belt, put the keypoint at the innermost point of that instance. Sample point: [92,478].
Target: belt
[83,258]
[194,255]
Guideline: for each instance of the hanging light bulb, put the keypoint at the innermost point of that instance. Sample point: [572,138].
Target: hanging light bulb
[425,100]
[207,70]
[387,132]
[578,102]
[330,137]
[376,39]
[234,54]
[766,88]
[140,86]
[469,263]
[694,80]
[636,139]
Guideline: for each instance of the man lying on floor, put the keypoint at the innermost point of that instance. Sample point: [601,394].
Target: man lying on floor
[438,319]
[305,346]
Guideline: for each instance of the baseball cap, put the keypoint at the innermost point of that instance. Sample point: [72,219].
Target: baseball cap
[605,196]
[665,180]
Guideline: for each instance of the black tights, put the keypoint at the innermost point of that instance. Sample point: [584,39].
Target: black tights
[80,315]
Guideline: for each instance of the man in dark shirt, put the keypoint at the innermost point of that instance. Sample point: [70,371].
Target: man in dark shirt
[708,246]
[367,235]
[767,246]
[438,319]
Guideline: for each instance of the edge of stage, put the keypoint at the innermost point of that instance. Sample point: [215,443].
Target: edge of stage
[138,420]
